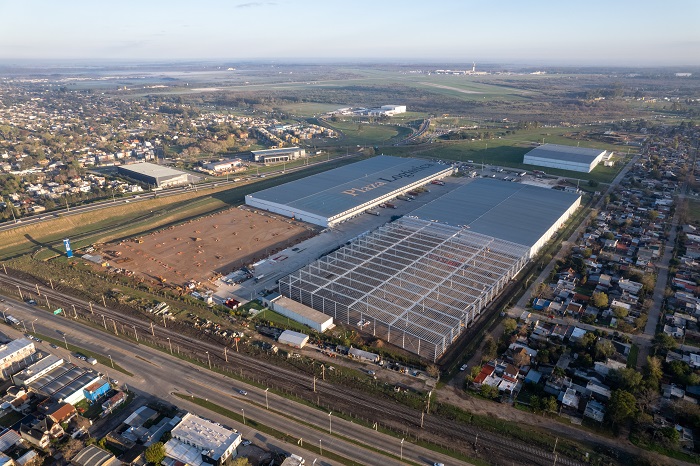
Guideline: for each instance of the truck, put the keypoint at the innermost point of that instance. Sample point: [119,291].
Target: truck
[438,182]
[403,198]
[391,206]
[372,212]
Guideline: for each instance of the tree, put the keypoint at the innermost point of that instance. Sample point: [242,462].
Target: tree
[621,407]
[626,379]
[600,300]
[653,371]
[240,461]
[663,343]
[604,349]
[620,312]
[490,348]
[155,453]
[549,404]
[509,325]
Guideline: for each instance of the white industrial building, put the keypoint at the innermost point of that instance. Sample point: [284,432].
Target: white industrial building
[222,165]
[154,175]
[284,154]
[336,195]
[300,313]
[196,441]
[64,383]
[579,159]
[420,281]
[13,354]
[295,339]
[38,369]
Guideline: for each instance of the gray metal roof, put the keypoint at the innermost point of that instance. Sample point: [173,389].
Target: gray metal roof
[565,153]
[151,169]
[513,212]
[341,189]
[282,150]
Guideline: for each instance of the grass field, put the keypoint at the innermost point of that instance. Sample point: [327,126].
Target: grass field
[368,134]
[508,151]
[125,220]
[692,211]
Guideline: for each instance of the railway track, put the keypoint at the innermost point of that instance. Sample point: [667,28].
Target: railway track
[467,439]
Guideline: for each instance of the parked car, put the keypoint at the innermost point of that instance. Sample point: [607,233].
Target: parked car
[463,368]
[245,443]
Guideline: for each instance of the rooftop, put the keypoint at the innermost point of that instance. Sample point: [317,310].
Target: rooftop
[566,153]
[335,191]
[205,434]
[302,310]
[94,456]
[151,169]
[494,208]
[14,346]
[283,150]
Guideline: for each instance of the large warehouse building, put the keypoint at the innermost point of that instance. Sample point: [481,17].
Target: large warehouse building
[331,197]
[154,175]
[579,159]
[420,281]
[515,212]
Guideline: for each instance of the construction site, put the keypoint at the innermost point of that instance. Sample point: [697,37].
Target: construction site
[413,283]
[204,248]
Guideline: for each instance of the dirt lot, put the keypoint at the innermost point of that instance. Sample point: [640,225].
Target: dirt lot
[202,248]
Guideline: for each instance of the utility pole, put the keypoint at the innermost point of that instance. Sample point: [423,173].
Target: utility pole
[91,311]
[152,332]
[115,327]
[136,334]
[37,289]
[51,283]
[314,384]
[47,302]
[75,313]
[4,268]
[104,321]
[267,405]
[225,356]
[20,293]
[164,321]
[104,303]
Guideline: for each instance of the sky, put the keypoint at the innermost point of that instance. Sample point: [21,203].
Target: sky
[563,32]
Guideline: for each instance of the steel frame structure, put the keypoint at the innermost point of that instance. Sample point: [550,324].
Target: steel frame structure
[414,283]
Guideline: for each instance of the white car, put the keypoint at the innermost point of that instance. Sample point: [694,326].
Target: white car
[463,368]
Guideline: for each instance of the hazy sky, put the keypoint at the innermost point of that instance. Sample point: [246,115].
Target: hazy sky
[611,32]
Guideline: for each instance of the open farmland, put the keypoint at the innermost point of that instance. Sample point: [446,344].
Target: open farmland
[202,248]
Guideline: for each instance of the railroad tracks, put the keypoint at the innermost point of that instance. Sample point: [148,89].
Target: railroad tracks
[457,436]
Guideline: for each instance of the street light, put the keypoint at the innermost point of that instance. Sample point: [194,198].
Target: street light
[25,327]
[266,404]
[243,413]
[330,423]
[64,341]
[110,360]
[402,449]
[33,329]
[170,343]
[208,360]
[136,334]
[320,446]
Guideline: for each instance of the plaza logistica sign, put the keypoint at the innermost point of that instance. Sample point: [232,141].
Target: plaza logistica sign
[409,173]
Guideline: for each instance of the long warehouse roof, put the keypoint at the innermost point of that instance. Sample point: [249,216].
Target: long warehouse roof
[341,189]
[512,212]
[565,153]
[151,169]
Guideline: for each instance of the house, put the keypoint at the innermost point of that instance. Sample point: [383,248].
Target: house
[486,372]
[595,410]
[41,432]
[674,331]
[569,398]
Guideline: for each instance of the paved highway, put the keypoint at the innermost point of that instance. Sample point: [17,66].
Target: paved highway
[160,375]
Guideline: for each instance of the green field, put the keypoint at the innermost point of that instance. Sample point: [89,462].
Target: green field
[364,134]
[508,151]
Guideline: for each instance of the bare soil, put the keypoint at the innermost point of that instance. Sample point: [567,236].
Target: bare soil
[203,248]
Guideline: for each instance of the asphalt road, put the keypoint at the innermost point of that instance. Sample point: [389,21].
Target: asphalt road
[159,375]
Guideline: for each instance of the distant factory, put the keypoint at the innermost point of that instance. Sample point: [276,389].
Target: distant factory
[578,159]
